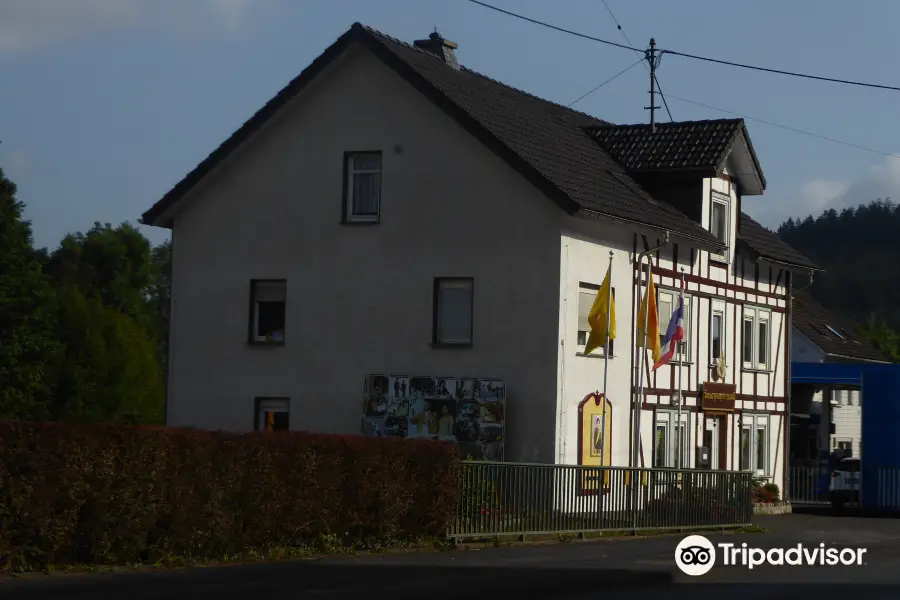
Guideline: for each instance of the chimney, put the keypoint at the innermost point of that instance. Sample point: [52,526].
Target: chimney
[443,49]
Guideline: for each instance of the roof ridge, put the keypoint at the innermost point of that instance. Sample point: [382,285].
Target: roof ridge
[462,67]
[675,123]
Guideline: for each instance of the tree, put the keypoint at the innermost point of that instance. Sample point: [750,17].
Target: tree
[27,346]
[108,324]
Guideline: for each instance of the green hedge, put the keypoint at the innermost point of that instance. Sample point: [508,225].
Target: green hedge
[119,495]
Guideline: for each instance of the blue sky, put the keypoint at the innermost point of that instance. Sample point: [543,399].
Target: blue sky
[108,103]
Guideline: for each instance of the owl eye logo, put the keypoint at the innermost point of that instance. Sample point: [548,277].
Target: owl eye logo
[695,555]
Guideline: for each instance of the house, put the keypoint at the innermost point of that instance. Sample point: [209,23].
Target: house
[817,426]
[390,211]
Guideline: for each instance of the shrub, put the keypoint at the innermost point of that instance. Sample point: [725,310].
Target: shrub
[104,494]
[765,492]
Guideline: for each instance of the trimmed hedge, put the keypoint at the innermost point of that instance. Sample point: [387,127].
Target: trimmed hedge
[104,494]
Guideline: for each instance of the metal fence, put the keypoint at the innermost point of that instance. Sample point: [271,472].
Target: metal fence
[887,493]
[808,485]
[503,499]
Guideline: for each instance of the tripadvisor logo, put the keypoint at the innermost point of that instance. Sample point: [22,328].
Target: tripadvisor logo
[695,555]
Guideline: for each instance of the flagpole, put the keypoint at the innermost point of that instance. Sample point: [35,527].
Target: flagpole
[606,369]
[643,359]
[639,401]
[678,427]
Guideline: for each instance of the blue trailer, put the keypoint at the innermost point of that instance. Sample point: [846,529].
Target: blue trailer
[880,447]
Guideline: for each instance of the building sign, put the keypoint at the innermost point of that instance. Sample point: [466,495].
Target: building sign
[718,396]
[593,439]
[470,412]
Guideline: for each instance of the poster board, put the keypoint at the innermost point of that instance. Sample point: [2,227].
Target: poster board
[465,410]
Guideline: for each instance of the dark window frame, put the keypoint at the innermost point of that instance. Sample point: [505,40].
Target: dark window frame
[435,312]
[251,315]
[257,407]
[346,217]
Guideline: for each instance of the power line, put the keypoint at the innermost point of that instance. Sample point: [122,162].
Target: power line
[781,72]
[627,39]
[541,23]
[692,56]
[586,94]
[787,127]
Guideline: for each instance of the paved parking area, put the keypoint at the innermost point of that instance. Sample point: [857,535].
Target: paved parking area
[570,570]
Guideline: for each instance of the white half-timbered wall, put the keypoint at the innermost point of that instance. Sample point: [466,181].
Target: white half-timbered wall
[737,288]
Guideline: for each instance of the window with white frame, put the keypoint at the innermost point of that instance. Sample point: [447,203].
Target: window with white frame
[717,332]
[756,341]
[272,414]
[453,311]
[672,437]
[362,187]
[666,304]
[719,220]
[587,293]
[267,310]
[754,443]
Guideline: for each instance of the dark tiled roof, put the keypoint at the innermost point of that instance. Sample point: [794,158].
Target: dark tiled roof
[766,244]
[685,145]
[547,142]
[812,320]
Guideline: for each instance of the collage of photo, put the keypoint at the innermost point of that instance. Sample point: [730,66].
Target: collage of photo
[470,412]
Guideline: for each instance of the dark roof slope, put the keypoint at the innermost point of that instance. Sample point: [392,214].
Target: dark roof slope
[813,320]
[764,243]
[547,142]
[687,145]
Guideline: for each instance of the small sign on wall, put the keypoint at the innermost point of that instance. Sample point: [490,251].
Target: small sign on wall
[718,397]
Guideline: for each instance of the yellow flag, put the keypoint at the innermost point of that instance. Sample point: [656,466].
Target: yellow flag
[598,316]
[652,322]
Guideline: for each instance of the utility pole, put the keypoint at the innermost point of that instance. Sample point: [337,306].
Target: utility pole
[650,55]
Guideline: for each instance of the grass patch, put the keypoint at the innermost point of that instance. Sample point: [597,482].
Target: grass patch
[325,547]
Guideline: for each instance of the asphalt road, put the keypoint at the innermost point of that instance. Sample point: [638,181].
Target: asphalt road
[573,571]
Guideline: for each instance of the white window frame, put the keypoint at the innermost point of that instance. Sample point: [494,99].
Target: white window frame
[271,405]
[589,288]
[756,315]
[722,200]
[352,172]
[458,283]
[754,422]
[718,310]
[687,357]
[667,419]
[275,287]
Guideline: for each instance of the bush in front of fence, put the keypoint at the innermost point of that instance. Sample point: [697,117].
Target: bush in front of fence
[118,495]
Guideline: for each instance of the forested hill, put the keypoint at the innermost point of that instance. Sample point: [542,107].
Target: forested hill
[859,248]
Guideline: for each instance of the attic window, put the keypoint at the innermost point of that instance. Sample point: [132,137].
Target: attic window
[834,331]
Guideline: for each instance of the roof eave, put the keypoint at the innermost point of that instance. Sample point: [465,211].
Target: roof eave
[705,243]
[859,358]
[752,182]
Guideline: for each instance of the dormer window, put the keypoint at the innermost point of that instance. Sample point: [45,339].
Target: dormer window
[718,223]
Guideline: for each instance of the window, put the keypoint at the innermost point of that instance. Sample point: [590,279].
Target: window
[757,339]
[661,444]
[666,304]
[672,438]
[267,310]
[362,187]
[453,308]
[719,222]
[717,332]
[754,443]
[586,295]
[272,414]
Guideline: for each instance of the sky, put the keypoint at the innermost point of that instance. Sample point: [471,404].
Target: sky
[107,104]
